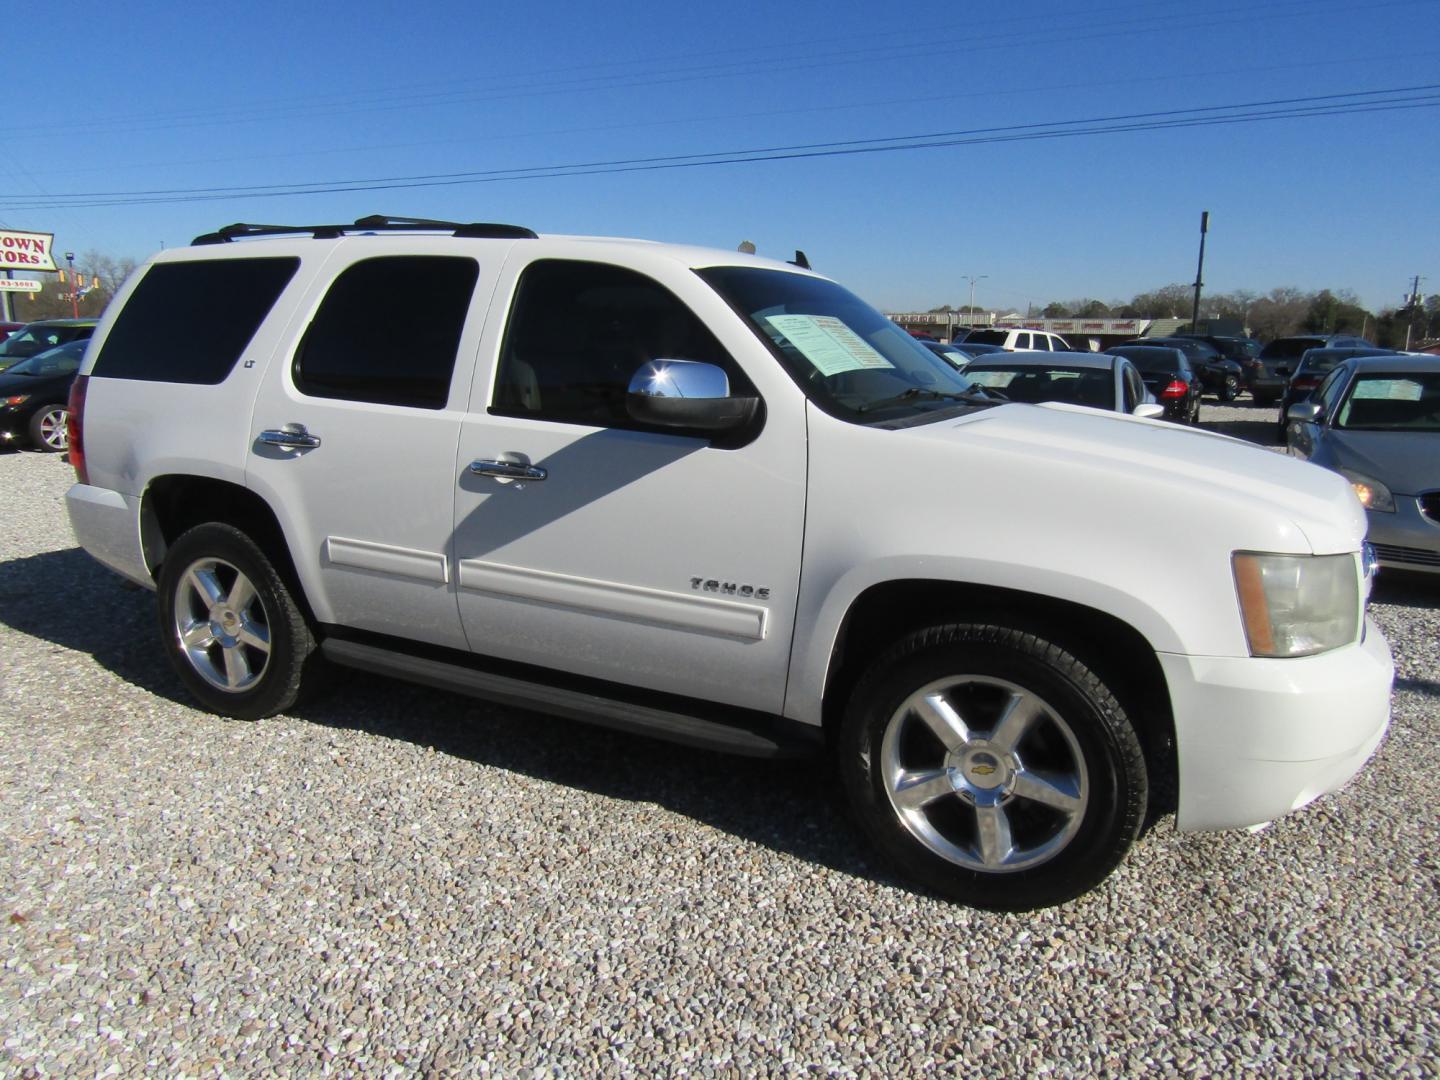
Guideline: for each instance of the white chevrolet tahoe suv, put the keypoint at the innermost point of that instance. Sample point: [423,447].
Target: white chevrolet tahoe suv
[718,499]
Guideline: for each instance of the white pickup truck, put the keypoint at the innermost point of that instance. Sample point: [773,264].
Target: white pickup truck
[718,499]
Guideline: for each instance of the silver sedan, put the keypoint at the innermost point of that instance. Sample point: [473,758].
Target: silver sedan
[1376,421]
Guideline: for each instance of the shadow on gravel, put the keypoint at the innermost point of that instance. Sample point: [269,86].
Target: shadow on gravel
[1423,687]
[67,598]
[1263,429]
[790,806]
[1405,588]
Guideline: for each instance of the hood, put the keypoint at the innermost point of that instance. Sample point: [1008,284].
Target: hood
[1161,463]
[30,384]
[1407,462]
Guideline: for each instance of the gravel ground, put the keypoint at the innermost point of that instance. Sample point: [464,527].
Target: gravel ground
[398,882]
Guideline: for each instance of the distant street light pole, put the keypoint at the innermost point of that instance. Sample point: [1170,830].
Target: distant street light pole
[970,307]
[1199,272]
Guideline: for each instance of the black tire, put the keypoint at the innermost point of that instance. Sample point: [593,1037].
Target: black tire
[1056,852]
[1230,389]
[47,429]
[200,589]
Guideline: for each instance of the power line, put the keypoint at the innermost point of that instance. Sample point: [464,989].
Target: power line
[1421,96]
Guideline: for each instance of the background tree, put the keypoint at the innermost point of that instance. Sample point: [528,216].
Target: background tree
[1278,313]
[1336,313]
[100,277]
[1166,302]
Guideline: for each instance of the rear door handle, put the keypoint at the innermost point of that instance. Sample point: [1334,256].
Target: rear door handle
[290,437]
[508,470]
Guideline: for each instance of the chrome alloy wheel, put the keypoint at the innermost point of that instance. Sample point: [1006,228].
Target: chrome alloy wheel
[53,432]
[984,773]
[222,627]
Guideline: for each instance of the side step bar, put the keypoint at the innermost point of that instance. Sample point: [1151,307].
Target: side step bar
[787,739]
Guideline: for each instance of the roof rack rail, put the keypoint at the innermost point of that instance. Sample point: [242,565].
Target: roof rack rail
[474,230]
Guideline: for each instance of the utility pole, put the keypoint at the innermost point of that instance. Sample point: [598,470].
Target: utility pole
[1199,273]
[970,308]
[1413,307]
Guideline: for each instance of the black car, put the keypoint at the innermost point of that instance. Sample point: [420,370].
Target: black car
[37,337]
[1223,377]
[33,397]
[1282,356]
[1314,365]
[1243,350]
[1168,376]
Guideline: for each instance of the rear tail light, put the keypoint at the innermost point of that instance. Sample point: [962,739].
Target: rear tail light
[1305,382]
[75,426]
[1176,389]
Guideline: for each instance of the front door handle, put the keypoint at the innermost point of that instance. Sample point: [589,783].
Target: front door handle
[290,437]
[508,470]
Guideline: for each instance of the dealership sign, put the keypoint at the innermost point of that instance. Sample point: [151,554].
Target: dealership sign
[26,250]
[19,285]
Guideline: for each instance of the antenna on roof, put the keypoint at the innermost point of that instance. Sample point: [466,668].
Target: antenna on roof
[800,260]
[746,248]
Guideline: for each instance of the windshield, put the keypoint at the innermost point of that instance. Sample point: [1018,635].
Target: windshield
[1034,383]
[1399,402]
[848,358]
[29,341]
[62,361]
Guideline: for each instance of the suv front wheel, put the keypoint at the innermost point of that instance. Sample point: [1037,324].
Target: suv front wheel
[230,625]
[992,766]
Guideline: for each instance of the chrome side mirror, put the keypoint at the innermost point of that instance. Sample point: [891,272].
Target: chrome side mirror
[1148,410]
[687,394]
[1305,412]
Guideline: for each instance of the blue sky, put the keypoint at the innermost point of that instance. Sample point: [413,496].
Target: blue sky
[171,99]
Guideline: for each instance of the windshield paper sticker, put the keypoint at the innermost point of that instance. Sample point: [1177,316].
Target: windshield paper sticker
[1387,390]
[828,343]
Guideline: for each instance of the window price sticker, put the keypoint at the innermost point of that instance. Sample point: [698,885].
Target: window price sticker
[828,343]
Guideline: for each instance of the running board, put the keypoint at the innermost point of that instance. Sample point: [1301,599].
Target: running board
[787,739]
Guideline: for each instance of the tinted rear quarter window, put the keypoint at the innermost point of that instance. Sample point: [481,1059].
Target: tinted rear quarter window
[987,337]
[188,322]
[357,350]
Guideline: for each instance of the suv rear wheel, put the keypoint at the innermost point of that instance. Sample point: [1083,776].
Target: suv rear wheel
[230,626]
[992,766]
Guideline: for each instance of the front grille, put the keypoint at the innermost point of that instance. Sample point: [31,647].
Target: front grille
[1407,556]
[1430,505]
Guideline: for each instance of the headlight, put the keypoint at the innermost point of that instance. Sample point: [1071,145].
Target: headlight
[1373,495]
[1297,605]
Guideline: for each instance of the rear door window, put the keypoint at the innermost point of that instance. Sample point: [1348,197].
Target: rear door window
[356,350]
[189,322]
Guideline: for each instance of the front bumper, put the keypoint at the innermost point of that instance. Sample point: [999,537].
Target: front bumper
[1257,738]
[1405,539]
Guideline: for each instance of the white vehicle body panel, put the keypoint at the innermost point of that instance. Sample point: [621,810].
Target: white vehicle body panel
[602,569]
[592,570]
[368,512]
